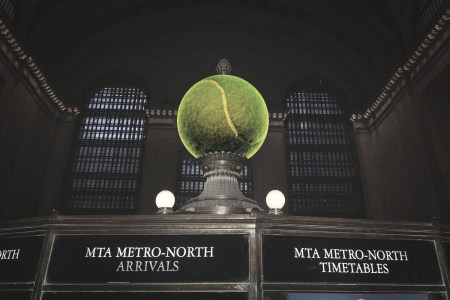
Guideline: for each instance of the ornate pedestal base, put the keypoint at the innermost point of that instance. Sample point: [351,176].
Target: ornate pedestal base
[221,194]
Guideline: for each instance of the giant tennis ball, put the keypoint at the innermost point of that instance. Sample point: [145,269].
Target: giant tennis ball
[222,113]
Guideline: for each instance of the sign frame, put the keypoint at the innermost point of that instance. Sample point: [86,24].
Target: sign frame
[336,231]
[246,237]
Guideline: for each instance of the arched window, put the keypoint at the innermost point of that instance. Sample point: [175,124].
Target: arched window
[106,167]
[323,177]
[190,181]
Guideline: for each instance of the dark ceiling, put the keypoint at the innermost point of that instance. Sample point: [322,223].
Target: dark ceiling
[167,45]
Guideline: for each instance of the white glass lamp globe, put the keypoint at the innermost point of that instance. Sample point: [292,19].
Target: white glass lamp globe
[165,200]
[275,201]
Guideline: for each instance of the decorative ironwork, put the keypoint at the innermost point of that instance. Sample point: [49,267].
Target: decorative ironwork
[221,193]
[223,66]
[191,182]
[322,168]
[107,163]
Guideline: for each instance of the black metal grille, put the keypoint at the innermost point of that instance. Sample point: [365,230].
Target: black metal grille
[323,177]
[190,182]
[107,163]
[426,12]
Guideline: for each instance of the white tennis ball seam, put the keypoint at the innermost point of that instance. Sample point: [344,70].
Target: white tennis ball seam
[227,113]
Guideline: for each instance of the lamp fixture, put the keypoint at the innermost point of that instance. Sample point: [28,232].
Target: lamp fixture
[275,201]
[165,201]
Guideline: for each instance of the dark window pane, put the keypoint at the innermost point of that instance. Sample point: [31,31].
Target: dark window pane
[347,296]
[143,296]
[107,162]
[322,168]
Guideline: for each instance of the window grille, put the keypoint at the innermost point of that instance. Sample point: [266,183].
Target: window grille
[106,167]
[8,8]
[322,168]
[426,12]
[190,181]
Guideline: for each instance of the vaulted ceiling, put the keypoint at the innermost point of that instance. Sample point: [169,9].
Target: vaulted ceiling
[168,45]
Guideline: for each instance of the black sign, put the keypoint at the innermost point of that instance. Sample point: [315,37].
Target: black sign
[144,296]
[149,258]
[19,258]
[15,295]
[341,260]
[447,254]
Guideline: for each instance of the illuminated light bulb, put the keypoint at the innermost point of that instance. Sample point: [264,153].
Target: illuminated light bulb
[165,201]
[275,201]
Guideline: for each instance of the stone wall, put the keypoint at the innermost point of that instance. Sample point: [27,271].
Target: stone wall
[34,138]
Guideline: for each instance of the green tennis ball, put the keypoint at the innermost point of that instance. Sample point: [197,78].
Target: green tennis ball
[222,113]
